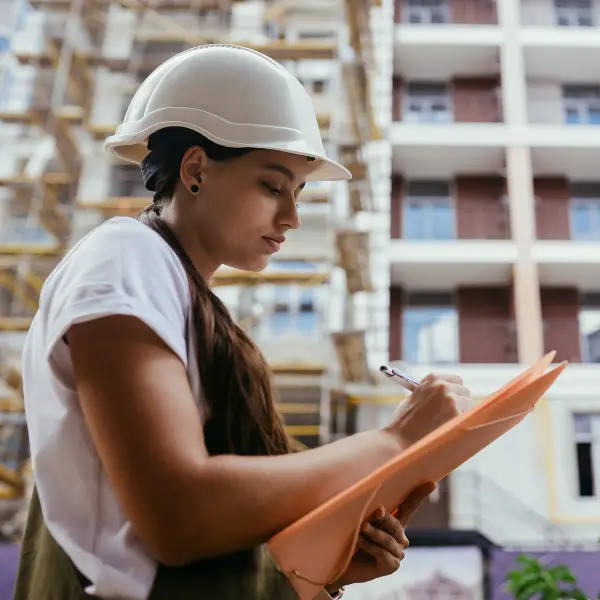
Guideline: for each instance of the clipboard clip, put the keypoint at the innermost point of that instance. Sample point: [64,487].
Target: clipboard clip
[501,420]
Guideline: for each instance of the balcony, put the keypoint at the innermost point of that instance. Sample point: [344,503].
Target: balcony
[447,247]
[446,40]
[452,339]
[568,243]
[442,135]
[444,219]
[563,133]
[576,339]
[560,42]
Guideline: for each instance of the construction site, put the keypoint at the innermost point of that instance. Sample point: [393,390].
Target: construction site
[67,73]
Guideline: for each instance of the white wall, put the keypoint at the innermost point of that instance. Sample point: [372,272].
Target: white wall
[94,183]
[537,12]
[542,13]
[120,28]
[544,102]
[108,105]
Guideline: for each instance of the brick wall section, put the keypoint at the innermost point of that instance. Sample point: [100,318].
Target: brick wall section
[560,312]
[480,210]
[552,197]
[396,207]
[486,330]
[475,100]
[468,12]
[473,12]
[395,335]
[397,91]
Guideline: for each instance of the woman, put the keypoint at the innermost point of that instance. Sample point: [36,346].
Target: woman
[161,465]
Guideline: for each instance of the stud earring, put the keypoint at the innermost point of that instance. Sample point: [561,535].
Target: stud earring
[194,189]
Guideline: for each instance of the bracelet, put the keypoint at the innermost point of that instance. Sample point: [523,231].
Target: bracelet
[337,595]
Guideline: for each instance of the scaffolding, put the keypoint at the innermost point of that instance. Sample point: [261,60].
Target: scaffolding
[66,78]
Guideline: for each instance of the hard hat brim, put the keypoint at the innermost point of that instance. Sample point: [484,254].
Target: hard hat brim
[132,147]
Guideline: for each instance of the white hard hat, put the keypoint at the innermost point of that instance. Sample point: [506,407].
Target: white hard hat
[234,96]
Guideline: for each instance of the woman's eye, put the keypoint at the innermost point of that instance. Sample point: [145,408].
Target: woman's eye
[272,190]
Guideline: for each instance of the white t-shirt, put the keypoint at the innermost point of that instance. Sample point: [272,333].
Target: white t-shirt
[125,268]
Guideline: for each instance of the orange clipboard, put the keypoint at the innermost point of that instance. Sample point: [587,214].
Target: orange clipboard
[316,549]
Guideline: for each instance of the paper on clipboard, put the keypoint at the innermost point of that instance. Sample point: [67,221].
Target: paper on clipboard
[317,548]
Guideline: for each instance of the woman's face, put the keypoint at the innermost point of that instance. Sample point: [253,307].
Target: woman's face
[245,206]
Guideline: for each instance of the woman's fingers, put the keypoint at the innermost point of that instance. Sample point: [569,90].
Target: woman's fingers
[414,500]
[388,534]
[387,562]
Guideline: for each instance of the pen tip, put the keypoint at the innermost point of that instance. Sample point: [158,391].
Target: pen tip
[383,368]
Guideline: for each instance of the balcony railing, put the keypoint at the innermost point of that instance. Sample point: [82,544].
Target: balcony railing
[465,220]
[489,508]
[473,12]
[443,110]
[463,340]
[564,111]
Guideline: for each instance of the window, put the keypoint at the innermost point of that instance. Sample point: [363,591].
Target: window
[291,309]
[426,12]
[574,13]
[428,211]
[584,211]
[587,453]
[430,329]
[581,104]
[427,103]
[589,328]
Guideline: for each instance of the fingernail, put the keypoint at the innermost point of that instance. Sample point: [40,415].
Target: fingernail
[380,512]
[365,527]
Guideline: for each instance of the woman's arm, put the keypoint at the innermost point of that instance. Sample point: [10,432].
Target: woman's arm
[184,504]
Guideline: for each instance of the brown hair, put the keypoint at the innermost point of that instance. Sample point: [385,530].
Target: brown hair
[236,380]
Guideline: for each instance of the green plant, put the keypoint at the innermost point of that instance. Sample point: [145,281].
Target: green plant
[535,580]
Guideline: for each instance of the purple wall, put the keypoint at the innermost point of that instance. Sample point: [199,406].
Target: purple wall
[9,561]
[585,566]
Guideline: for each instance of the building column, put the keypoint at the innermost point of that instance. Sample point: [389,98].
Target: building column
[519,175]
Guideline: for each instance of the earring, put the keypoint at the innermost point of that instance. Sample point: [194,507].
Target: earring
[194,189]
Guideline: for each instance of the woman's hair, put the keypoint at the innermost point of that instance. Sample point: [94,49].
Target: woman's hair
[236,380]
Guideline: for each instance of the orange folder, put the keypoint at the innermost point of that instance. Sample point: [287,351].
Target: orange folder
[316,549]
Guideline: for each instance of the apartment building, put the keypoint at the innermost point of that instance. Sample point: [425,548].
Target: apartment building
[494,243]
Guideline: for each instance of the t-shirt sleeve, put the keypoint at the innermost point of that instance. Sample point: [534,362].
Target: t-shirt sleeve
[120,269]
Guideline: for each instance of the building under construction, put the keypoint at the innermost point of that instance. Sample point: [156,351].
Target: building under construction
[67,73]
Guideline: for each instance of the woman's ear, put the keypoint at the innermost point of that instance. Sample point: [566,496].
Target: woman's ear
[192,164]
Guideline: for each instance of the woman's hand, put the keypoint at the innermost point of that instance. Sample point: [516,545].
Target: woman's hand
[381,544]
[436,400]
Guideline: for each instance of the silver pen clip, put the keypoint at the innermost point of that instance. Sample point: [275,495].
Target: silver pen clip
[406,381]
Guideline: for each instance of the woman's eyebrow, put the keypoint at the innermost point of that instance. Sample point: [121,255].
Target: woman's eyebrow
[284,170]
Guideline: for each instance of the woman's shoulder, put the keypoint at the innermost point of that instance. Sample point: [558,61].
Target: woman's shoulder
[125,233]
[123,250]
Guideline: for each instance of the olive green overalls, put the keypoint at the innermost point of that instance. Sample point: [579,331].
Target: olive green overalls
[46,573]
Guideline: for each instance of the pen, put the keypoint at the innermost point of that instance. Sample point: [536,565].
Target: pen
[406,381]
